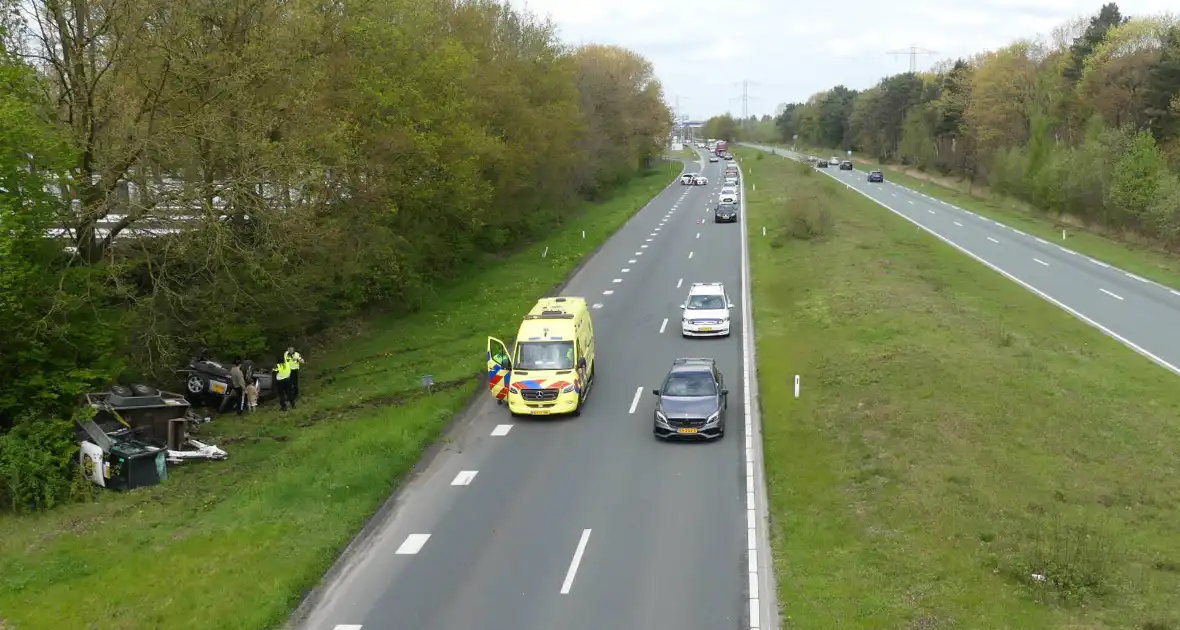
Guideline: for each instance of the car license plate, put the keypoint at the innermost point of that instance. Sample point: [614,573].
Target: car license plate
[540,412]
[686,430]
[217,388]
[706,329]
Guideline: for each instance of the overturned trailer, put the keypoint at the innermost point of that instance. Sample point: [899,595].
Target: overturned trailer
[134,433]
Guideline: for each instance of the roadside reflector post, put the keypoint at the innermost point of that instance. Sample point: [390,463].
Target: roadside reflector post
[428,383]
[764,230]
[545,253]
[1063,235]
[583,233]
[796,386]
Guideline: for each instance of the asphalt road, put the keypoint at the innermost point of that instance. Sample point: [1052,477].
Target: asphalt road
[1138,312]
[589,522]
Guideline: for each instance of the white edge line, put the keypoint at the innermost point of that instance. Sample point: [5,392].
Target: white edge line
[577,560]
[347,626]
[635,400]
[1039,293]
[763,610]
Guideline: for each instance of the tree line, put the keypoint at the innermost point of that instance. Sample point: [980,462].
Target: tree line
[1085,123]
[236,175]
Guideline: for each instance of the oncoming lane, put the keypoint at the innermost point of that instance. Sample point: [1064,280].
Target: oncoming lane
[1133,310]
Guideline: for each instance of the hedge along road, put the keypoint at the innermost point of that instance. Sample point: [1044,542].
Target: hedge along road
[585,522]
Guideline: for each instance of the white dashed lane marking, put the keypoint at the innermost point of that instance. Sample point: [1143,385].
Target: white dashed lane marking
[1117,297]
[577,560]
[464,477]
[412,545]
[635,400]
[501,430]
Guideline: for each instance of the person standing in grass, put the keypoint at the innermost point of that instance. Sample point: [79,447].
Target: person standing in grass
[295,360]
[282,384]
[238,391]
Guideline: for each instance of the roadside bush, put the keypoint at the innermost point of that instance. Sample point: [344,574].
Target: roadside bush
[807,218]
[1067,565]
[37,465]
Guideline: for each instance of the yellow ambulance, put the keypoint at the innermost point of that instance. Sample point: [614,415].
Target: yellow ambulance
[551,368]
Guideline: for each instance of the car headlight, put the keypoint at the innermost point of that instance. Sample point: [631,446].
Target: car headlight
[513,389]
[567,389]
[661,418]
[713,418]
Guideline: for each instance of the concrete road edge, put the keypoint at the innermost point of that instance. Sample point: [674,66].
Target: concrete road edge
[763,588]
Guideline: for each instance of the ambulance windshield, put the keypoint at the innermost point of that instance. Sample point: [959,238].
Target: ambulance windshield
[545,355]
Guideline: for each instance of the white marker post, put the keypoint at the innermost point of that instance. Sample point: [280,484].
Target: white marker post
[1063,235]
[583,233]
[764,230]
[545,253]
[796,386]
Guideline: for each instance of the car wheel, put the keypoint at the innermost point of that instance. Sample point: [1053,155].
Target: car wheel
[195,384]
[120,390]
[139,389]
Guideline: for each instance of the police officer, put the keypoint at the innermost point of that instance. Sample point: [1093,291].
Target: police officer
[283,384]
[295,360]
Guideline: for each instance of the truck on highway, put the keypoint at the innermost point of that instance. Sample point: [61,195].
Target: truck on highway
[720,148]
[551,368]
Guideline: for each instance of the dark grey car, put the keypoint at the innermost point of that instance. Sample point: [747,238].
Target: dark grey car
[693,400]
[725,212]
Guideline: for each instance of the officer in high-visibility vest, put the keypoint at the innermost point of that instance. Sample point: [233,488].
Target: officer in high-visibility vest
[283,384]
[295,360]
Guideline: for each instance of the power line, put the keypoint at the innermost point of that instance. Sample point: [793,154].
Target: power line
[913,52]
[745,98]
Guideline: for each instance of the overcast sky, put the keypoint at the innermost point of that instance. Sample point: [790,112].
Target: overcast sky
[788,50]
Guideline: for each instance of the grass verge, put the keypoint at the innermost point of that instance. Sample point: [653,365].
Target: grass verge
[237,544]
[963,453]
[1129,254]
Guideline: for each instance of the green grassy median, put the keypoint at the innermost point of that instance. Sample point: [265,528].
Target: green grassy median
[236,544]
[1132,255]
[964,454]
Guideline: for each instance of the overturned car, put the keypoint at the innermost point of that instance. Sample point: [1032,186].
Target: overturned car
[207,381]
